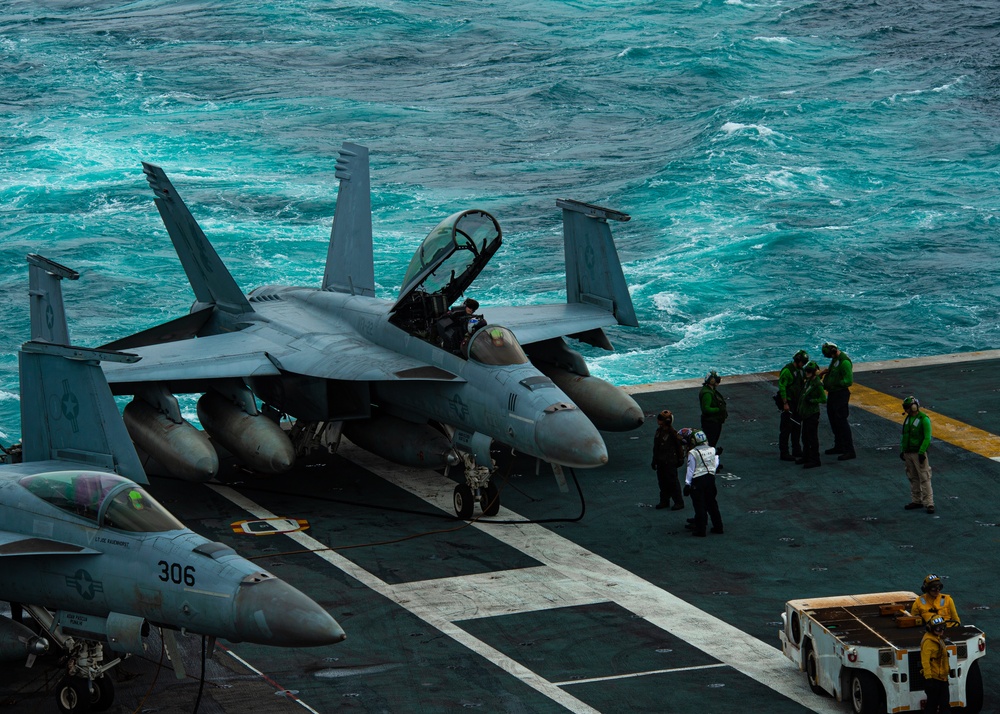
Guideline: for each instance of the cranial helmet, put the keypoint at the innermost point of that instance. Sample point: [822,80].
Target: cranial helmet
[801,356]
[685,434]
[811,367]
[910,400]
[666,415]
[713,375]
[930,580]
[829,348]
[936,623]
[700,438]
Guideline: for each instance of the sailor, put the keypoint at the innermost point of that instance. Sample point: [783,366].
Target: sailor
[713,408]
[934,666]
[702,463]
[811,397]
[668,456]
[790,381]
[837,379]
[934,603]
[913,451]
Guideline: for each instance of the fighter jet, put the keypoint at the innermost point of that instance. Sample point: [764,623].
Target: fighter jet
[410,379]
[89,554]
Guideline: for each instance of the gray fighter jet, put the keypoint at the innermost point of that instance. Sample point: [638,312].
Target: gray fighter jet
[89,554]
[413,379]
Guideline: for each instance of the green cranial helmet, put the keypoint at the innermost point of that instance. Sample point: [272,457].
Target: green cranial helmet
[829,348]
[909,401]
[812,366]
[801,356]
[713,375]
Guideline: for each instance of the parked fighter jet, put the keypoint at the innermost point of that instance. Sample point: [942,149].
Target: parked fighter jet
[410,379]
[89,554]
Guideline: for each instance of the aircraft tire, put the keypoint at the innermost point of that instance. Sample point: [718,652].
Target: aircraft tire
[73,696]
[490,499]
[464,501]
[104,694]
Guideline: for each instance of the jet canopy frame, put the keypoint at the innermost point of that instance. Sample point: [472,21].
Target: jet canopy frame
[108,499]
[444,265]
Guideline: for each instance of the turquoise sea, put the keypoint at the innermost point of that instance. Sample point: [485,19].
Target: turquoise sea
[796,171]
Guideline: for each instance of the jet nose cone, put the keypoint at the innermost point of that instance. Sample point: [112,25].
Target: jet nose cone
[566,436]
[269,611]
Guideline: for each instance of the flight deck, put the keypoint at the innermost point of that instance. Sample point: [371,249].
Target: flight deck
[579,595]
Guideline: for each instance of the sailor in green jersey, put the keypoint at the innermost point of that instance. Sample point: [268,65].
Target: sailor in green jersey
[713,408]
[913,451]
[790,381]
[837,379]
[812,396]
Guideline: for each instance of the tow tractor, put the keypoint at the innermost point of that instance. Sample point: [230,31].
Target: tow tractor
[865,649]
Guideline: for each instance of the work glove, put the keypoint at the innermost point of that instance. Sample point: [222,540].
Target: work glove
[901,457]
[922,458]
[687,490]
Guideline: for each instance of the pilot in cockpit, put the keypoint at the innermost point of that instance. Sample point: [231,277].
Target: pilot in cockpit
[458,324]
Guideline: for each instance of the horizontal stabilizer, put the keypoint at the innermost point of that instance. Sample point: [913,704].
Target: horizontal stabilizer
[350,266]
[593,271]
[210,280]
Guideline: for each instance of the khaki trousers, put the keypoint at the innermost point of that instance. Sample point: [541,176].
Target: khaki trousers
[920,479]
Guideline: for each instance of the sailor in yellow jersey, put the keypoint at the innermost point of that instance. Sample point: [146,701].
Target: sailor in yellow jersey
[934,603]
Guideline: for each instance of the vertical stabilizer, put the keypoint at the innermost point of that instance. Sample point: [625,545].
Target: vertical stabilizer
[593,272]
[209,277]
[350,264]
[68,413]
[48,318]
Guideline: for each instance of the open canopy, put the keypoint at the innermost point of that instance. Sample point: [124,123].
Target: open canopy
[451,257]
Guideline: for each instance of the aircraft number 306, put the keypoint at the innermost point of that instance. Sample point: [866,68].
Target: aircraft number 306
[176,573]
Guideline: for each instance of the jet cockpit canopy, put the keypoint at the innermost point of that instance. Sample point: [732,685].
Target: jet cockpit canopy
[105,498]
[495,345]
[445,264]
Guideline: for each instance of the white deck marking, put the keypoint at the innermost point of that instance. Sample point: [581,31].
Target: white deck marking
[426,613]
[640,674]
[571,575]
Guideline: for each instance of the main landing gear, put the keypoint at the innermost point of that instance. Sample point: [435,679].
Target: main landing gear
[478,487]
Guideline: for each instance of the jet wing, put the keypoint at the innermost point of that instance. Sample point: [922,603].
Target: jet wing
[261,351]
[536,323]
[12,544]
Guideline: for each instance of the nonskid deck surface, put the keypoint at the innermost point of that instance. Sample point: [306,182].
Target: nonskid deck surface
[620,610]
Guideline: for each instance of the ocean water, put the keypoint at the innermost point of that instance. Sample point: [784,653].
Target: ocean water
[796,171]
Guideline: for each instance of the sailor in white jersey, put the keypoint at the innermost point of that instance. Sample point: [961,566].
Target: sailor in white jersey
[702,463]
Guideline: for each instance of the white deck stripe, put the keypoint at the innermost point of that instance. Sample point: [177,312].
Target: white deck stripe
[612,583]
[264,677]
[425,613]
[639,674]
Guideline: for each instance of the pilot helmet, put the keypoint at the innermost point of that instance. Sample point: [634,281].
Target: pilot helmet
[700,438]
[473,324]
[686,434]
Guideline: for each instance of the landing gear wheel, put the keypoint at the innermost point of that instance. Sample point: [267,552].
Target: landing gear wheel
[73,696]
[464,502]
[812,673]
[103,695]
[490,499]
[867,695]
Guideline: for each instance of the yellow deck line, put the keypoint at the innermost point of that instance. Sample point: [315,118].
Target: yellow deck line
[943,428]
